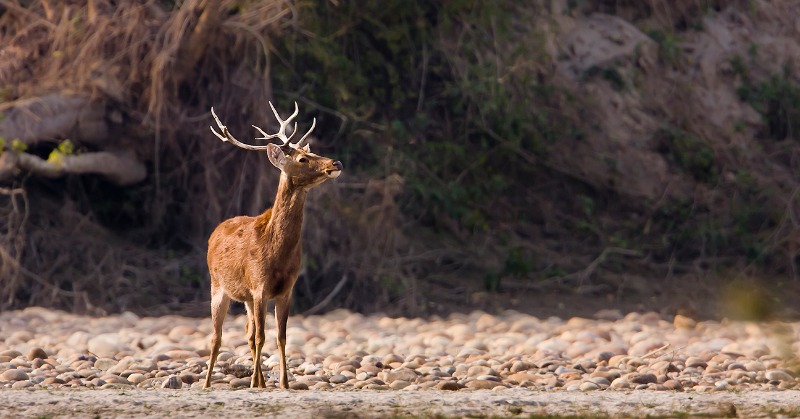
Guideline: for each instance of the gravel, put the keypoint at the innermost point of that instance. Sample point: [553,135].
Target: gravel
[344,352]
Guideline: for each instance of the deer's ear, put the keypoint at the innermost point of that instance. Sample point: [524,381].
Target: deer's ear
[276,156]
[307,148]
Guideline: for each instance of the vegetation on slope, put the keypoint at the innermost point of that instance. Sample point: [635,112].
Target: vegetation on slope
[454,125]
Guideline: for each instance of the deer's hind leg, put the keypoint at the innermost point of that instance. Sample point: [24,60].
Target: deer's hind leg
[257,381]
[281,317]
[219,309]
[258,324]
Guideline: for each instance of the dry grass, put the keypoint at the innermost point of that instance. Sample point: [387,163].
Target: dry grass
[156,67]
[85,246]
[157,71]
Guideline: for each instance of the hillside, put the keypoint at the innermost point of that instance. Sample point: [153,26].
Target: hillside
[555,156]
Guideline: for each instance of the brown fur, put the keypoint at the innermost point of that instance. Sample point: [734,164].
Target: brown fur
[255,259]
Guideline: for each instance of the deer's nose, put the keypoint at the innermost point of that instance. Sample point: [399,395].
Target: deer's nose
[338,165]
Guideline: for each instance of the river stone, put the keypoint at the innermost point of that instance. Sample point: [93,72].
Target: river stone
[481,384]
[404,374]
[105,363]
[755,366]
[448,385]
[21,384]
[620,383]
[478,370]
[11,353]
[180,331]
[338,379]
[105,345]
[181,354]
[14,375]
[298,385]
[172,382]
[136,378]
[36,353]
[134,364]
[778,375]
[240,382]
[53,380]
[589,386]
[364,375]
[695,362]
[638,378]
[721,385]
[522,376]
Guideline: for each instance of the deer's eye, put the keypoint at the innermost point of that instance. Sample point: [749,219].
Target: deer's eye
[302,160]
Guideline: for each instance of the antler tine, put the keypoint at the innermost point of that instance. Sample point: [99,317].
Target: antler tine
[219,123]
[227,137]
[283,123]
[313,124]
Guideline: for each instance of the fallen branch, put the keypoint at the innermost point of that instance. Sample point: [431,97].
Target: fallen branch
[120,168]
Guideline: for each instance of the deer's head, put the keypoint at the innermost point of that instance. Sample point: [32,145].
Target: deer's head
[304,168]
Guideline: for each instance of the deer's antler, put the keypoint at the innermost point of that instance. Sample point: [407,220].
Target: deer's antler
[281,134]
[227,137]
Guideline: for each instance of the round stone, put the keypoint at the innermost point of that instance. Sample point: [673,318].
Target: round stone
[21,384]
[695,362]
[14,375]
[298,385]
[172,382]
[338,379]
[36,353]
[637,378]
[778,375]
[399,384]
[240,382]
[448,385]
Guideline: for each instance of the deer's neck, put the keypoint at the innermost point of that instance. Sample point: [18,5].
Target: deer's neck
[285,219]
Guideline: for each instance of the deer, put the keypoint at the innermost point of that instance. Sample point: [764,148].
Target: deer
[255,259]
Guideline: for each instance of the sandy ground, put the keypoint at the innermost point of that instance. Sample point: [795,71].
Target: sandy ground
[86,403]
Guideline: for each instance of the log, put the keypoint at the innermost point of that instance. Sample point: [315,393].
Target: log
[120,167]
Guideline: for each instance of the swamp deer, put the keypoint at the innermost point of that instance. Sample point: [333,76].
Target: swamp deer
[255,259]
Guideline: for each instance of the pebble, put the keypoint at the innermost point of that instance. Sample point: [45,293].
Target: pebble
[589,386]
[36,353]
[343,350]
[172,382]
[399,384]
[448,385]
[14,375]
[778,375]
[21,384]
[240,382]
[297,385]
[673,385]
[481,384]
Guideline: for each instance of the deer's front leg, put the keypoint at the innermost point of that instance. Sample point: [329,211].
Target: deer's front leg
[281,318]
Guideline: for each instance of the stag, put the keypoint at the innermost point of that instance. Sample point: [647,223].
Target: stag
[255,259]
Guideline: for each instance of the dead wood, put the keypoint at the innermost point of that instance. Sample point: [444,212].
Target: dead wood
[121,168]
